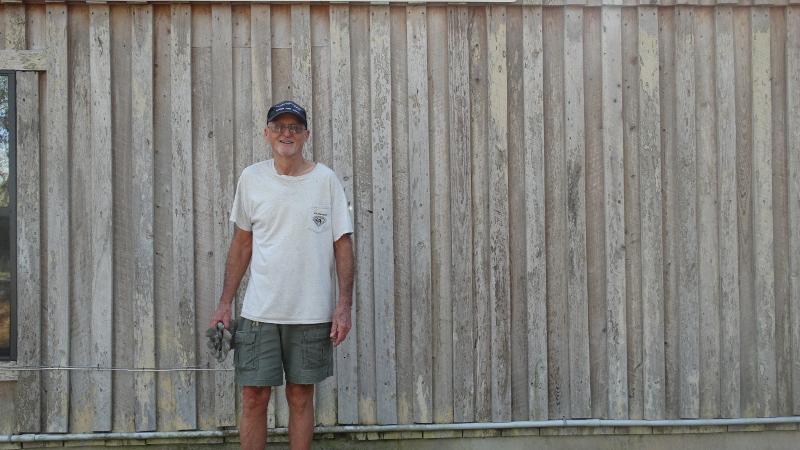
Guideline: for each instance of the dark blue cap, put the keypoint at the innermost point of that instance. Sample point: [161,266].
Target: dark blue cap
[287,107]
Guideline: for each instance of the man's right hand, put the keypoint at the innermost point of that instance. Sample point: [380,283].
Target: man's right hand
[222,314]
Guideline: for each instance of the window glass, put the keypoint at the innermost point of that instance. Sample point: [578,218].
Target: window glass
[6,218]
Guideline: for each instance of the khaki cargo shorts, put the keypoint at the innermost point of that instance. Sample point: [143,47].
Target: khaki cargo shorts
[265,351]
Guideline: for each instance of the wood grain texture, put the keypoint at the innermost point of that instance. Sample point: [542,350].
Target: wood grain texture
[224,173]
[707,221]
[614,188]
[461,215]
[301,67]
[28,397]
[480,208]
[730,391]
[667,88]
[441,232]
[499,282]
[595,215]
[346,359]
[182,215]
[763,243]
[555,217]
[793,152]
[535,247]
[402,220]
[25,60]
[744,176]
[364,208]
[56,224]
[123,384]
[686,173]
[383,215]
[281,38]
[574,148]
[419,178]
[650,188]
[15,21]
[261,78]
[518,330]
[102,201]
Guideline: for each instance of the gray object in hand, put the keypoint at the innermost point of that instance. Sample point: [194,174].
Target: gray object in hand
[220,341]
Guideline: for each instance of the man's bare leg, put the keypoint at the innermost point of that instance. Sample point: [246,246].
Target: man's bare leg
[253,426]
[301,415]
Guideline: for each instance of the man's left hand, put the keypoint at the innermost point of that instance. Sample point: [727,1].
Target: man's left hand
[341,323]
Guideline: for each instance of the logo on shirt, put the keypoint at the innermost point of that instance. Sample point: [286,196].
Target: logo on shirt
[319,219]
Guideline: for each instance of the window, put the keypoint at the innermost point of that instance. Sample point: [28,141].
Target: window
[8,216]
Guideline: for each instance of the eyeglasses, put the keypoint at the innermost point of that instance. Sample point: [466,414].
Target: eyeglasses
[280,128]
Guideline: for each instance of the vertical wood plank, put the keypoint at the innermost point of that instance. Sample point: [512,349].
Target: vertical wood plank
[326,392]
[595,216]
[480,209]
[362,145]
[577,307]
[203,194]
[667,88]
[56,239]
[123,384]
[29,352]
[383,214]
[341,98]
[460,215]
[421,295]
[686,172]
[793,151]
[162,217]
[555,217]
[15,18]
[763,243]
[242,91]
[535,263]
[224,175]
[614,188]
[783,348]
[518,364]
[261,60]
[301,67]
[744,184]
[650,188]
[281,38]
[728,228]
[633,234]
[81,213]
[402,218]
[499,295]
[182,218]
[441,267]
[142,208]
[707,224]
[102,219]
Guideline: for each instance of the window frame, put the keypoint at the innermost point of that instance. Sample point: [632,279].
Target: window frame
[12,212]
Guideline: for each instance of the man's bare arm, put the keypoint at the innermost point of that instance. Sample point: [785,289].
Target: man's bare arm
[238,259]
[343,253]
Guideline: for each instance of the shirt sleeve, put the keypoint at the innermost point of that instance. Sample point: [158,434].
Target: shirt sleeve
[340,210]
[240,214]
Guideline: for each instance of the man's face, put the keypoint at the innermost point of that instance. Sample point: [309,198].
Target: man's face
[285,143]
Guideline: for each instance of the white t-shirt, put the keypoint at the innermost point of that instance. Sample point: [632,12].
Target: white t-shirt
[294,221]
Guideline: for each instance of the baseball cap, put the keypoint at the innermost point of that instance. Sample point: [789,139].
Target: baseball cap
[287,107]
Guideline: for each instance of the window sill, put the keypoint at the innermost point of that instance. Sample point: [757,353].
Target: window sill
[8,375]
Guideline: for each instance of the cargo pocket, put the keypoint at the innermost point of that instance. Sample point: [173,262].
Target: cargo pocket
[316,347]
[244,356]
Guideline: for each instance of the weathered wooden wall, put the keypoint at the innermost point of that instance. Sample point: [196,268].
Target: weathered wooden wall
[560,211]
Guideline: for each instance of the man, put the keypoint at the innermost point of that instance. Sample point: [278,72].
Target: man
[292,225]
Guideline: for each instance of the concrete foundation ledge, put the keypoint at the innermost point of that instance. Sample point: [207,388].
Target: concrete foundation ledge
[773,433]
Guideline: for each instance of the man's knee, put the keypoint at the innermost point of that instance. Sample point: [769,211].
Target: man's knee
[300,396]
[255,398]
